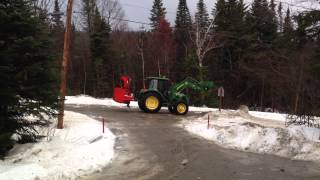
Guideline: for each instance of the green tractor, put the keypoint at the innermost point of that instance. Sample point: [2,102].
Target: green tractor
[160,92]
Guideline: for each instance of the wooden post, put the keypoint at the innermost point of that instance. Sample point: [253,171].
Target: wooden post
[220,103]
[208,121]
[65,63]
[221,96]
[103,125]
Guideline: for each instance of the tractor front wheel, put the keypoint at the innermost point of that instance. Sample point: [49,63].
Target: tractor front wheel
[181,108]
[151,102]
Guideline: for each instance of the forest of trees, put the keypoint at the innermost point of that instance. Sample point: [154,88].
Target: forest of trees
[263,54]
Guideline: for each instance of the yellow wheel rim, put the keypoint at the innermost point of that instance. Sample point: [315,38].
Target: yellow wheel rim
[152,103]
[181,108]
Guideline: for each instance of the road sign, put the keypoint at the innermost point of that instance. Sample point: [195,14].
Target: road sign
[221,92]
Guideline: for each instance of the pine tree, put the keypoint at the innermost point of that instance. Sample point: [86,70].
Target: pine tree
[57,16]
[219,14]
[157,12]
[28,81]
[288,26]
[263,20]
[202,16]
[101,54]
[88,8]
[183,22]
[280,15]
[183,25]
[57,33]
[273,16]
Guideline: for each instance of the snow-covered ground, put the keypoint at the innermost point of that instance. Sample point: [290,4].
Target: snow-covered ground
[78,149]
[88,100]
[257,132]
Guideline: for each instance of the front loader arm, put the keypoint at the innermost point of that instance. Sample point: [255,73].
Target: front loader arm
[192,84]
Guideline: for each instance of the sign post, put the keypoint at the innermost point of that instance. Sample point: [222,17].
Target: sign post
[221,96]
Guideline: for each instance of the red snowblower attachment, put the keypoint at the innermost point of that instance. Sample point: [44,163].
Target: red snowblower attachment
[122,92]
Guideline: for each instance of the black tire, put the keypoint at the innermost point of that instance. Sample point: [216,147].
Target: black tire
[177,111]
[171,109]
[144,99]
[141,107]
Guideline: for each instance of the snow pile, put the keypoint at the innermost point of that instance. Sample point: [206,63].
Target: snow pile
[78,149]
[88,100]
[237,130]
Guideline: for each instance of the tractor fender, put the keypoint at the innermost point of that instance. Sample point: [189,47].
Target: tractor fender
[153,91]
[180,97]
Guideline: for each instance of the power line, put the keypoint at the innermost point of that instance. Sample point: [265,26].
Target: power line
[120,19]
[142,7]
[132,21]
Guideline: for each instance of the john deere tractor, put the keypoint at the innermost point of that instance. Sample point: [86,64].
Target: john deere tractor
[160,92]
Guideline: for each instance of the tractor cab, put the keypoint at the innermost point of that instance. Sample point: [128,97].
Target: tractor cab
[161,85]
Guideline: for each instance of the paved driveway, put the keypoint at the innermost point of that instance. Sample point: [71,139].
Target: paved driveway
[150,146]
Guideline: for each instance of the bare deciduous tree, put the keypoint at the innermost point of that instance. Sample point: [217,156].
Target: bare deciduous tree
[113,13]
[203,40]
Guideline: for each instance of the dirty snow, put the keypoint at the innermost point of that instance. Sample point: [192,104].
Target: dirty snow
[242,131]
[260,132]
[88,100]
[78,149]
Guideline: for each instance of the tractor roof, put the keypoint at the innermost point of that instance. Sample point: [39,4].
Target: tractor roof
[158,78]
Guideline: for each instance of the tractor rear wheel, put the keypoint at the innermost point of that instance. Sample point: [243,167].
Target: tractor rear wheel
[181,108]
[151,102]
[140,104]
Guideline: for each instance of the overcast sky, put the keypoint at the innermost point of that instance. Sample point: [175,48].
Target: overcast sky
[139,10]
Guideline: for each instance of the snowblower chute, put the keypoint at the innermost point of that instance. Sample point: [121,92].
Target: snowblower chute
[122,92]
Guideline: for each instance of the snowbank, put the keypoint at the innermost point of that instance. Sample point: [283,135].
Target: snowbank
[88,100]
[237,130]
[78,149]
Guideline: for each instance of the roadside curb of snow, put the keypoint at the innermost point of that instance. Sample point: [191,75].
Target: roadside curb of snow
[77,150]
[238,130]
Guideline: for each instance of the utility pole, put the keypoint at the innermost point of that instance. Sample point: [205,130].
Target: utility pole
[140,46]
[65,63]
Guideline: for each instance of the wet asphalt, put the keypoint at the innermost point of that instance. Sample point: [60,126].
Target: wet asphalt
[152,146]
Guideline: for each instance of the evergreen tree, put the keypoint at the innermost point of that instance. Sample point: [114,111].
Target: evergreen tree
[273,16]
[183,25]
[280,17]
[57,16]
[28,82]
[219,14]
[57,33]
[263,20]
[88,10]
[202,16]
[288,26]
[157,12]
[101,55]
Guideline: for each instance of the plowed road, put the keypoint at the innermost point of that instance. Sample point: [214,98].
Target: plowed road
[150,146]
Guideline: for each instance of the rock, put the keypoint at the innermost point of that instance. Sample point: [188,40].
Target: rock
[244,109]
[184,162]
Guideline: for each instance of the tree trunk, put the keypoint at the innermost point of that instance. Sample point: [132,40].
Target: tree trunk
[262,95]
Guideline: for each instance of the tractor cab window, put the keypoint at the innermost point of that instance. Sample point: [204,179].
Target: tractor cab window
[153,84]
[163,86]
